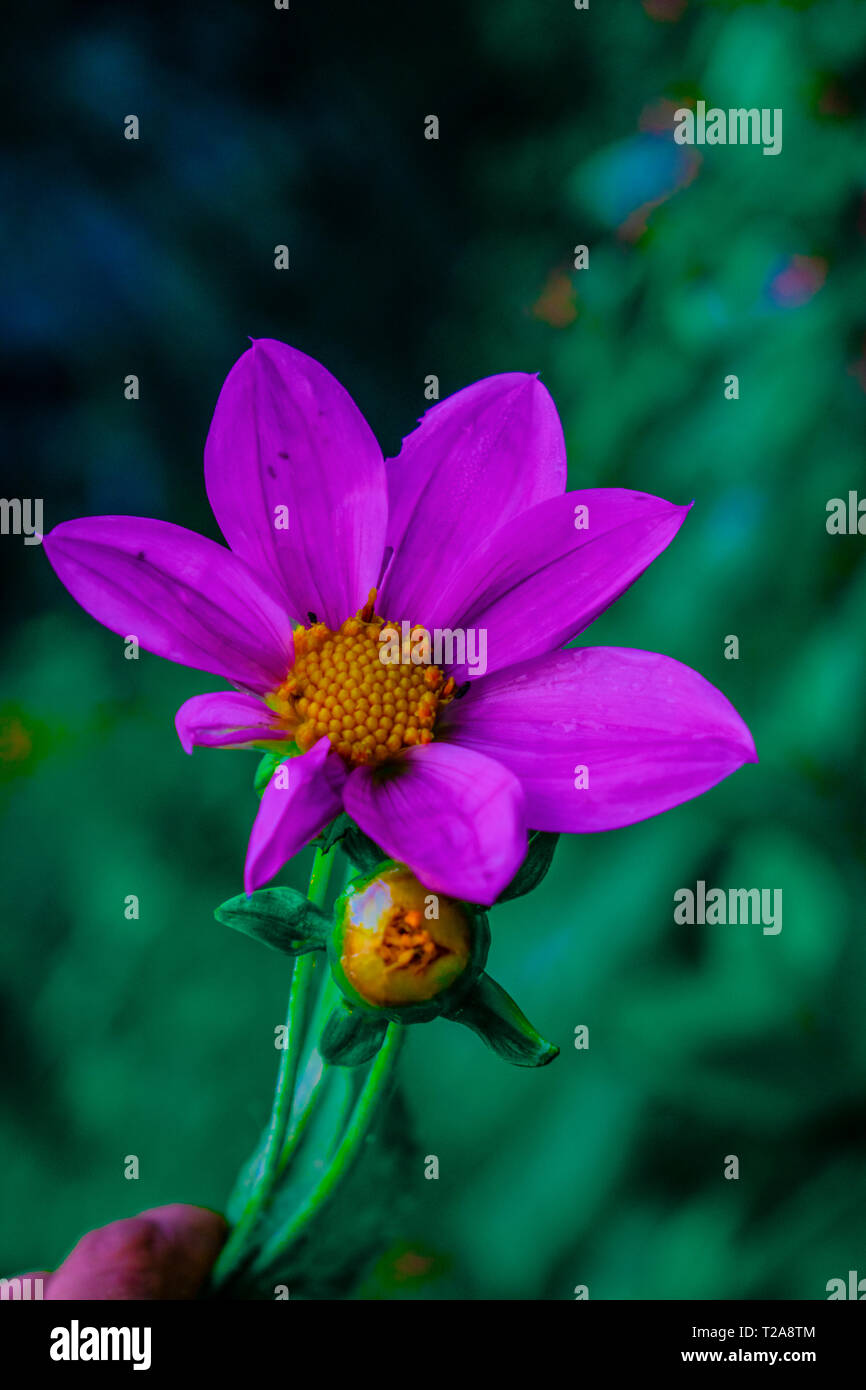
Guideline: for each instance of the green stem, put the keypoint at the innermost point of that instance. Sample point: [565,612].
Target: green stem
[367,1105]
[328,996]
[302,976]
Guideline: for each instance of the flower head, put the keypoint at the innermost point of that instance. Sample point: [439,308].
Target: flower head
[341,689]
[445,758]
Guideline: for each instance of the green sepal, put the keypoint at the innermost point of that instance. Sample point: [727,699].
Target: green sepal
[358,847]
[364,853]
[281,918]
[351,1037]
[494,1016]
[333,832]
[539,857]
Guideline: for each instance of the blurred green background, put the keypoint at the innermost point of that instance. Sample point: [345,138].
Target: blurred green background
[410,257]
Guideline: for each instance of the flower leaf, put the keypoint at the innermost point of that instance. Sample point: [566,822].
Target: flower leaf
[351,1037]
[539,857]
[281,918]
[367,1209]
[248,1178]
[494,1016]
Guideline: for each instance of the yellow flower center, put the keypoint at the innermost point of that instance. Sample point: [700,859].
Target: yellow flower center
[402,945]
[340,688]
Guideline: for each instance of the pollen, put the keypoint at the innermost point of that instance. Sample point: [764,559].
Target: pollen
[348,687]
[407,945]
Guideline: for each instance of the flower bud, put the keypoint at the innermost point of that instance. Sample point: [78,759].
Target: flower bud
[399,954]
[401,950]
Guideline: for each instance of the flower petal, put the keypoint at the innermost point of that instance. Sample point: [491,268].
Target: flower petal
[225,719]
[300,799]
[649,731]
[285,434]
[456,818]
[477,459]
[183,596]
[541,579]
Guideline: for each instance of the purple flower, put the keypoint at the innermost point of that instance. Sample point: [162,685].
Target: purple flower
[468,533]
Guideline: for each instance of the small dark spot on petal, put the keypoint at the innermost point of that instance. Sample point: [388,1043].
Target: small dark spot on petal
[141,555]
[281,455]
[397,766]
[271,470]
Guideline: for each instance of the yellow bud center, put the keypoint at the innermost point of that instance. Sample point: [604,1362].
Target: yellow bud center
[340,688]
[401,944]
